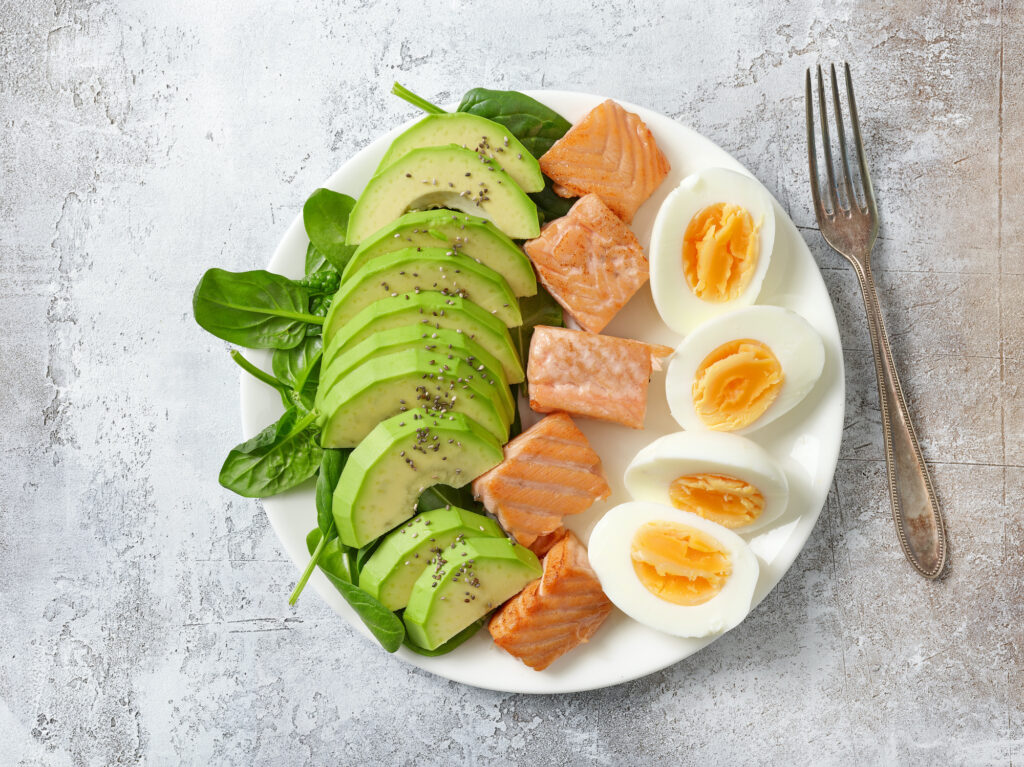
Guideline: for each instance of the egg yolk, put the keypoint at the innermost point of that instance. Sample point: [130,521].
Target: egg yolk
[729,501]
[679,563]
[735,384]
[720,252]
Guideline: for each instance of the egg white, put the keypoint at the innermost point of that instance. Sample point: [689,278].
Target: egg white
[610,556]
[683,453]
[678,306]
[796,345]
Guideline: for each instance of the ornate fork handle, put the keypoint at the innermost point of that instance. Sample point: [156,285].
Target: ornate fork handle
[914,507]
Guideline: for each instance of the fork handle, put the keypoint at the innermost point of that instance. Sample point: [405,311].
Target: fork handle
[915,510]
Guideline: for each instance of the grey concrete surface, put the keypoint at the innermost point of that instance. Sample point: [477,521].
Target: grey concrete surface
[142,608]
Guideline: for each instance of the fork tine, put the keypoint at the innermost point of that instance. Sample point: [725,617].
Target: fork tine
[827,146]
[812,152]
[837,112]
[869,194]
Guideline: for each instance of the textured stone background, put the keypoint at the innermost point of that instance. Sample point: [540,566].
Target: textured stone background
[143,615]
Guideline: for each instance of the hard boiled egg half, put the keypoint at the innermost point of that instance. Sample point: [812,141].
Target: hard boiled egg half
[710,247]
[743,370]
[672,570]
[723,478]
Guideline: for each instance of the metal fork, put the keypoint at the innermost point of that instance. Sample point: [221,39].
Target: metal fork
[851,230]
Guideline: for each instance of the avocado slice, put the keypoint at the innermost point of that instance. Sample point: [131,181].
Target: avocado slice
[415,270]
[390,573]
[399,459]
[448,343]
[443,177]
[429,310]
[474,237]
[395,383]
[487,138]
[471,578]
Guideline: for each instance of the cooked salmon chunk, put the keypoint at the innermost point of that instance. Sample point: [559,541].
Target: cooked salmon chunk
[590,262]
[544,543]
[592,375]
[549,471]
[611,153]
[556,613]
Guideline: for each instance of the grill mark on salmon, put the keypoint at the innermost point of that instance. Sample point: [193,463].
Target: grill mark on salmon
[611,153]
[593,375]
[549,472]
[590,262]
[553,615]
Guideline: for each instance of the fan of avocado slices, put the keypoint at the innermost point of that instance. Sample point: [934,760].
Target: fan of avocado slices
[398,359]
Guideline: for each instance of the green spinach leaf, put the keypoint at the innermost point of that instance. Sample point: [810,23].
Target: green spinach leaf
[331,466]
[540,309]
[549,205]
[535,125]
[440,496]
[257,309]
[316,261]
[283,455]
[452,643]
[298,368]
[325,216]
[382,623]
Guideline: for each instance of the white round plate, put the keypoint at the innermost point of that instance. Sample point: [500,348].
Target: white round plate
[805,440]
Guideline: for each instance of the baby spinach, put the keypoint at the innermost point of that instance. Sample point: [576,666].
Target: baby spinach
[417,101]
[539,309]
[550,205]
[283,455]
[298,367]
[535,125]
[382,623]
[331,466]
[440,496]
[451,644]
[325,216]
[257,309]
[316,261]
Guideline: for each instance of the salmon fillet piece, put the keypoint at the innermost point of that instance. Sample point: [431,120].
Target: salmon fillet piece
[590,262]
[610,153]
[556,613]
[546,542]
[592,375]
[549,471]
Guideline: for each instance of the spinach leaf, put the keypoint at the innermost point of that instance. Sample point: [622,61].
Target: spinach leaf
[257,309]
[298,368]
[417,101]
[283,455]
[325,216]
[315,261]
[440,496]
[365,553]
[535,125]
[382,623]
[452,643]
[549,205]
[331,466]
[540,309]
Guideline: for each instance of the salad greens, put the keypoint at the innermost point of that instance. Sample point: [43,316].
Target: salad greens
[325,216]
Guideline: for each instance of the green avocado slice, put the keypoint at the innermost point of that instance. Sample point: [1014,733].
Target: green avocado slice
[447,343]
[398,382]
[489,139]
[467,581]
[474,237]
[415,270]
[399,459]
[443,177]
[390,573]
[432,311]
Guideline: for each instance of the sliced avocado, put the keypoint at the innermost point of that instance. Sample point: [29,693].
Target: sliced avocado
[443,177]
[474,237]
[417,270]
[485,137]
[429,310]
[386,386]
[451,345]
[399,459]
[468,580]
[406,552]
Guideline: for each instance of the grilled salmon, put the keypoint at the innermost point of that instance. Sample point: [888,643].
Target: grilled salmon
[556,613]
[590,262]
[611,153]
[592,375]
[544,543]
[549,471]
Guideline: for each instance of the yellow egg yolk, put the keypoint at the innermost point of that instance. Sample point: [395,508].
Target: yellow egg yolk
[679,563]
[729,501]
[735,384]
[720,252]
